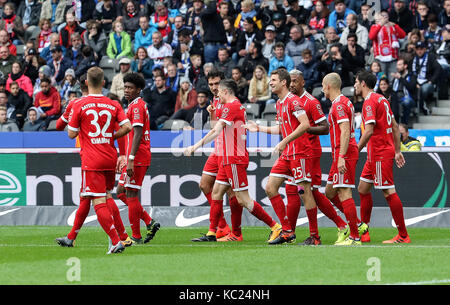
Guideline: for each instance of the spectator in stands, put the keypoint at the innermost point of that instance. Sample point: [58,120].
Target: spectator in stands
[402,16]
[172,38]
[159,21]
[296,14]
[22,80]
[197,116]
[353,54]
[433,34]
[32,122]
[72,26]
[297,44]
[59,64]
[404,86]
[54,41]
[187,95]
[236,75]
[131,15]
[69,84]
[333,62]
[354,27]
[6,61]
[53,10]
[106,13]
[142,63]
[231,36]
[248,12]
[20,101]
[30,12]
[119,43]
[280,59]
[253,59]
[428,71]
[6,125]
[160,101]
[385,37]
[173,77]
[225,63]
[12,23]
[375,68]
[195,70]
[308,67]
[74,51]
[87,62]
[422,17]
[443,58]
[44,72]
[95,38]
[5,41]
[249,34]
[269,42]
[408,143]
[30,64]
[259,91]
[281,29]
[159,49]
[48,102]
[143,36]
[193,45]
[44,34]
[385,89]
[117,85]
[444,15]
[331,38]
[318,20]
[337,18]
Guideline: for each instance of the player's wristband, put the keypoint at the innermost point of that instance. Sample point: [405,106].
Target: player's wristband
[130,157]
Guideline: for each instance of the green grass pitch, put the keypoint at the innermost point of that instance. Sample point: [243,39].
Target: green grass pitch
[29,255]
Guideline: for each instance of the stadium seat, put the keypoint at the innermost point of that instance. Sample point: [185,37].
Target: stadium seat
[252,110]
[317,92]
[174,125]
[109,67]
[262,122]
[52,125]
[270,109]
[20,50]
[269,116]
[348,91]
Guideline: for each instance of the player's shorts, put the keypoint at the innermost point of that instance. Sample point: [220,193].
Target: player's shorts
[343,180]
[211,167]
[298,170]
[97,183]
[136,181]
[379,173]
[234,175]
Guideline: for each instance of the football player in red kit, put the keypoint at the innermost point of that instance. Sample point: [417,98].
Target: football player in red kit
[382,137]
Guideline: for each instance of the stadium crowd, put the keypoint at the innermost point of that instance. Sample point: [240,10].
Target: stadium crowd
[47,46]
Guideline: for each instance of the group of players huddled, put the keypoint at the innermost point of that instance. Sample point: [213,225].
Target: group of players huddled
[98,121]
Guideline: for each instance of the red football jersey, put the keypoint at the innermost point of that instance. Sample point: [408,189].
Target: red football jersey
[342,110]
[288,111]
[95,117]
[137,113]
[377,111]
[315,114]
[218,141]
[234,135]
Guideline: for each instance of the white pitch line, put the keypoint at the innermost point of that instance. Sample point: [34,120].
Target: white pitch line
[423,282]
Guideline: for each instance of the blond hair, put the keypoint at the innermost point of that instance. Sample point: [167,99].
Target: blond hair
[254,82]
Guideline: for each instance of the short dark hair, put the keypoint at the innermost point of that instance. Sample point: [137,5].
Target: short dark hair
[134,78]
[83,86]
[352,35]
[367,77]
[215,73]
[230,85]
[184,33]
[46,80]
[279,45]
[283,74]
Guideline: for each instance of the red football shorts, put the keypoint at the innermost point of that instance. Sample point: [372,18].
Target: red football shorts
[343,180]
[298,170]
[379,173]
[134,182]
[211,167]
[97,183]
[234,175]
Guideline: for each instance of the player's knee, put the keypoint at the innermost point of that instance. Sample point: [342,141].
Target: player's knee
[271,190]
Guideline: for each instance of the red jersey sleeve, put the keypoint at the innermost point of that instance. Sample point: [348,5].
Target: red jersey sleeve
[341,114]
[296,108]
[121,117]
[228,114]
[315,109]
[74,121]
[368,113]
[138,115]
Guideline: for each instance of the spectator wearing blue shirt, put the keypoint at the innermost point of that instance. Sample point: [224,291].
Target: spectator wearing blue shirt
[338,17]
[143,36]
[280,59]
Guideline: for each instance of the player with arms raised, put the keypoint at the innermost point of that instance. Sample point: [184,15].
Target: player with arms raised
[341,178]
[382,137]
[138,155]
[233,168]
[93,119]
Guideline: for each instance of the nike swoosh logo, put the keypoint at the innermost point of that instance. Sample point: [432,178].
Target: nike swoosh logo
[71,218]
[8,211]
[414,220]
[182,221]
[304,220]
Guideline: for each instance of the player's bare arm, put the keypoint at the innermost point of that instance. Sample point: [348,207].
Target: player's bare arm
[123,130]
[299,131]
[212,115]
[367,134]
[72,134]
[210,136]
[345,140]
[253,127]
[399,158]
[321,128]
[137,137]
